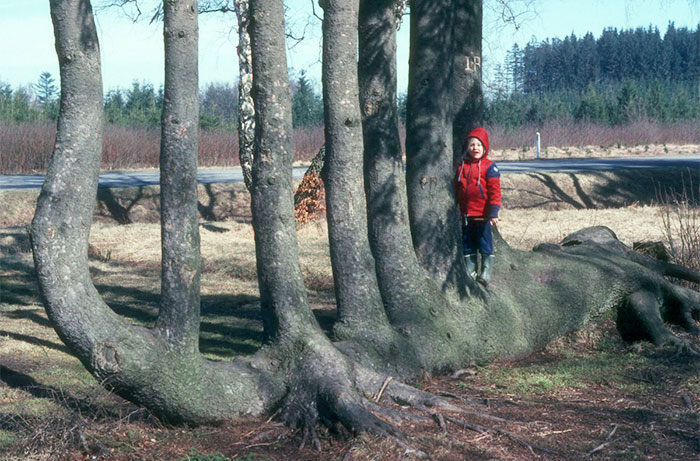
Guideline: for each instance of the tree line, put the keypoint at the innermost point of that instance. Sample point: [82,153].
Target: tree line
[619,77]
[142,104]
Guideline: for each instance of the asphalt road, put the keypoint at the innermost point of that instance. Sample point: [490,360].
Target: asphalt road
[148,178]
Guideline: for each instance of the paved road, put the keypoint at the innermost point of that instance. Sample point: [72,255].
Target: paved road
[129,179]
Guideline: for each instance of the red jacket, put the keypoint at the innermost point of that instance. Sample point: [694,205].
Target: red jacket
[478,188]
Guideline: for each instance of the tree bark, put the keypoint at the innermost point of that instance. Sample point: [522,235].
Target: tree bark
[533,297]
[432,210]
[178,318]
[141,365]
[467,97]
[282,293]
[360,310]
[246,109]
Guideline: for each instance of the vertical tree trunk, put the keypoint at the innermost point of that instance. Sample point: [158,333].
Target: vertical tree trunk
[246,109]
[360,309]
[178,319]
[282,293]
[467,97]
[432,210]
[403,284]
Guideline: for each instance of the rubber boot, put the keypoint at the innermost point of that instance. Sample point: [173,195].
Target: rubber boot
[486,266]
[470,260]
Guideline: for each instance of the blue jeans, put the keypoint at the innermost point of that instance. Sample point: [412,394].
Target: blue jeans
[476,235]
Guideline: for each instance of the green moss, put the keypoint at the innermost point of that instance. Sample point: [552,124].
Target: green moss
[574,371]
[7,439]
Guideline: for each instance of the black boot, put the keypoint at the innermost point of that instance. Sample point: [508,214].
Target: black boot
[470,260]
[486,267]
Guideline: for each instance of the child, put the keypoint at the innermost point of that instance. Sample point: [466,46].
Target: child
[478,191]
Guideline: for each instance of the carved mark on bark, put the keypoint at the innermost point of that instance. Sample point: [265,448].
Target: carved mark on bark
[431,182]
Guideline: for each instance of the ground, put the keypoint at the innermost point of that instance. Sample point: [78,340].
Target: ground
[587,394]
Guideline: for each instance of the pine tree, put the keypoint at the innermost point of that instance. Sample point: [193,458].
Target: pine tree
[45,89]
[307,108]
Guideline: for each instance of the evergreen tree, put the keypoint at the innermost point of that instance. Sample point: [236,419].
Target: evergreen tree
[115,107]
[46,95]
[307,107]
[45,89]
[219,106]
[142,105]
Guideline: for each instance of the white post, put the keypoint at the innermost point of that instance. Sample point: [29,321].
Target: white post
[538,145]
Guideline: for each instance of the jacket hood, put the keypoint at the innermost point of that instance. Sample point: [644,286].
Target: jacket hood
[481,135]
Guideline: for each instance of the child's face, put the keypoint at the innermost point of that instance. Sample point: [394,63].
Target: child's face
[475,148]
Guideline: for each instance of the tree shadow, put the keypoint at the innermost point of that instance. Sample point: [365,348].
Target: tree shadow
[128,205]
[608,189]
[82,406]
[120,213]
[28,315]
[647,186]
[36,341]
[559,195]
[206,211]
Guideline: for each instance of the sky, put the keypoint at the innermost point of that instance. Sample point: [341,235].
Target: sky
[134,51]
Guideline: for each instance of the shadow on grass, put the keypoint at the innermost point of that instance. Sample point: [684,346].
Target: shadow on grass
[218,202]
[35,341]
[85,407]
[608,189]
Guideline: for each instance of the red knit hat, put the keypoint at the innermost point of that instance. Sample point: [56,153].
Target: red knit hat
[481,135]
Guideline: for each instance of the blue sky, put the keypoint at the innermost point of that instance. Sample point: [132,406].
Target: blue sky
[134,52]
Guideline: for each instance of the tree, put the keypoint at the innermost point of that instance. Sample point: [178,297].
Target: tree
[307,108]
[397,315]
[46,95]
[219,105]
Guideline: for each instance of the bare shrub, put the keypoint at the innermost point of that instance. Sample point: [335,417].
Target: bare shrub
[307,142]
[680,220]
[25,147]
[218,148]
[130,147]
[572,133]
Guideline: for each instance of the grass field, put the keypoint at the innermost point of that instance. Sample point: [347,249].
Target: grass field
[587,395]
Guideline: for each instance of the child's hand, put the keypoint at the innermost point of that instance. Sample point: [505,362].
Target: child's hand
[493,221]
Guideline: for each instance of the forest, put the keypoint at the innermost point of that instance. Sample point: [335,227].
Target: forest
[600,79]
[584,79]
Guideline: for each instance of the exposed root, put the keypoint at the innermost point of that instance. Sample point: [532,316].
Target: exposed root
[309,431]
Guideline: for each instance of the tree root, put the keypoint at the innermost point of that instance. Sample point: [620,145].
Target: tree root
[652,299]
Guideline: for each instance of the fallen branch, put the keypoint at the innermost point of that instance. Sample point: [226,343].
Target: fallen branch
[485,429]
[607,441]
[378,395]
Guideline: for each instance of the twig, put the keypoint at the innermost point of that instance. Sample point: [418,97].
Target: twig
[607,441]
[346,457]
[378,396]
[273,415]
[441,422]
[484,429]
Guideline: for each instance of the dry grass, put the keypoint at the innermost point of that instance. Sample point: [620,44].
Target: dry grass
[523,229]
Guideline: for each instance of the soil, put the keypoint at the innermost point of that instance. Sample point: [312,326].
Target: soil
[646,413]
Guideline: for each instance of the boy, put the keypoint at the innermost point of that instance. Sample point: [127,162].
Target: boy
[478,191]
